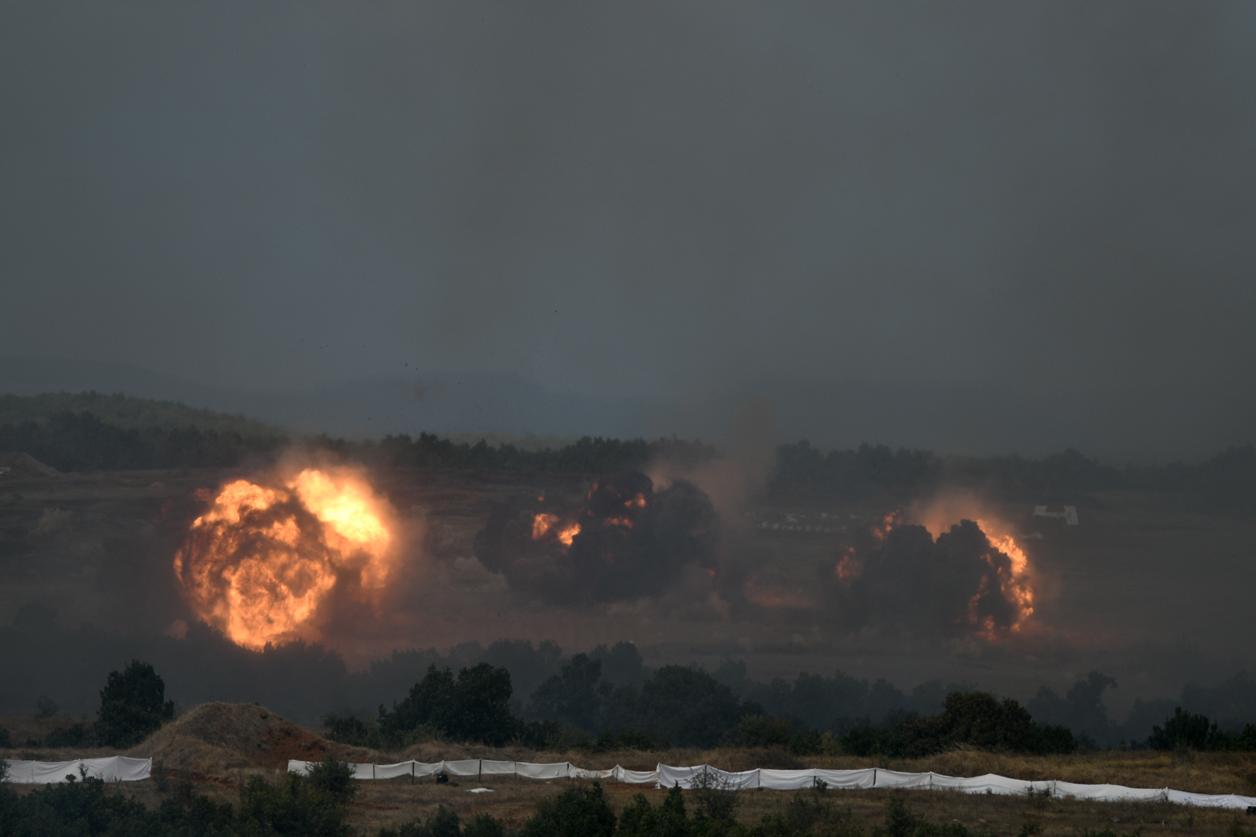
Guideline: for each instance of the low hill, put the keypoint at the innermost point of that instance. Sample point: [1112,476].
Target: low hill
[126,412]
[216,737]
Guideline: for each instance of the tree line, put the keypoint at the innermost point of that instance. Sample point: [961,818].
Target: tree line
[83,440]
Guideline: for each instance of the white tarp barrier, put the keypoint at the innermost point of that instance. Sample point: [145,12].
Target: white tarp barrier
[491,767]
[394,771]
[553,770]
[898,779]
[733,780]
[124,769]
[991,783]
[682,777]
[580,773]
[1211,800]
[636,777]
[698,774]
[1108,793]
[789,779]
[428,768]
[462,767]
[107,769]
[847,779]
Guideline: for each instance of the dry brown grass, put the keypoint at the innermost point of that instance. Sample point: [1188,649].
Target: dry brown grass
[217,745]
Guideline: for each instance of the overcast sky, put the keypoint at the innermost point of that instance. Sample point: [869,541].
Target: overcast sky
[652,199]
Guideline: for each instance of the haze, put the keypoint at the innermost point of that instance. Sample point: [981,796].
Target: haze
[971,226]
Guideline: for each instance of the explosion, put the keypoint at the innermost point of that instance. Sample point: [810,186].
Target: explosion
[971,577]
[263,559]
[625,540]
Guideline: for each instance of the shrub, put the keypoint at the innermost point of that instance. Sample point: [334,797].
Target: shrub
[1187,731]
[334,778]
[294,805]
[576,812]
[132,704]
[639,819]
[75,735]
[901,822]
[348,729]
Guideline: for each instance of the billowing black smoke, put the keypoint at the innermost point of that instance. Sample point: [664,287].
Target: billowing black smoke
[626,541]
[898,577]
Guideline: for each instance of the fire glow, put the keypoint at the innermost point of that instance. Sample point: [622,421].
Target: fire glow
[970,572]
[263,559]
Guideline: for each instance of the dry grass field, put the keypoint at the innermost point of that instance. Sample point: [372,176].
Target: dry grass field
[216,747]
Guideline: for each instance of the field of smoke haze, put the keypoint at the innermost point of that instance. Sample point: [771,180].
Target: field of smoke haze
[750,587]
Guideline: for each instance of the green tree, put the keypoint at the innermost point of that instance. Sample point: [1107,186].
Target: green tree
[1187,731]
[132,704]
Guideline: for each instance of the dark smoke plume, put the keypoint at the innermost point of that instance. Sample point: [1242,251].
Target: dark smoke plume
[632,542]
[898,577]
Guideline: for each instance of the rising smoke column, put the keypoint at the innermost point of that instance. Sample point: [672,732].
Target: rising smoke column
[970,579]
[626,541]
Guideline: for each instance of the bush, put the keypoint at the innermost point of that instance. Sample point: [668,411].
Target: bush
[901,822]
[810,813]
[75,735]
[444,823]
[639,819]
[1187,731]
[973,719]
[294,805]
[132,704]
[334,778]
[576,812]
[348,729]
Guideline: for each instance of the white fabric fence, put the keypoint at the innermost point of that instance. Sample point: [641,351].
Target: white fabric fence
[108,769]
[687,777]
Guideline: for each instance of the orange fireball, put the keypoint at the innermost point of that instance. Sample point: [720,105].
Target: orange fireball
[259,563]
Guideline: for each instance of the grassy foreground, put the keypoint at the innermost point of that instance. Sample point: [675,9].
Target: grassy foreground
[216,748]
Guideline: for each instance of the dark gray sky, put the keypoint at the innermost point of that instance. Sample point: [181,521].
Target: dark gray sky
[658,200]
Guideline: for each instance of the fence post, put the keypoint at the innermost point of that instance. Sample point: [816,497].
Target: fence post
[479,770]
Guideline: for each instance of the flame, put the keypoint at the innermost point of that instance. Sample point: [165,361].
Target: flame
[261,560]
[1016,583]
[881,529]
[568,533]
[541,524]
[545,525]
[848,567]
[1015,579]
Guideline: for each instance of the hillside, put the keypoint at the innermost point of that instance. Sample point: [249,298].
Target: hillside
[126,412]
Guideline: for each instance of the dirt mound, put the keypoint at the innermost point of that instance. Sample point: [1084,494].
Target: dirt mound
[19,465]
[214,738]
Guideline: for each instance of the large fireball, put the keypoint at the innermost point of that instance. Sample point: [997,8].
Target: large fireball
[259,563]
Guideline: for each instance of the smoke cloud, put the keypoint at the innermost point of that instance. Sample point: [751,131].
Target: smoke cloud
[627,541]
[900,578]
